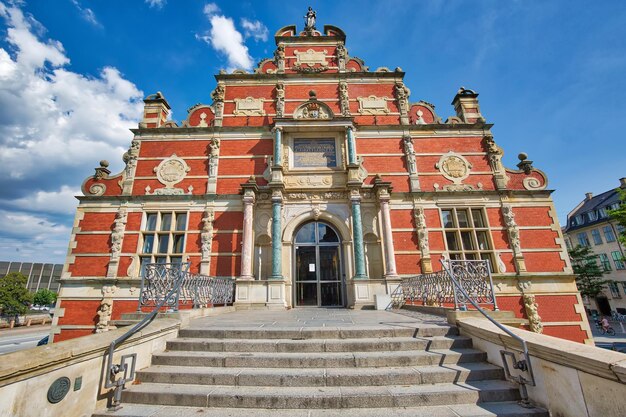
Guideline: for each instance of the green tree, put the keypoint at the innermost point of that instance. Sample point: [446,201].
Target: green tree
[587,270]
[14,297]
[44,297]
[619,215]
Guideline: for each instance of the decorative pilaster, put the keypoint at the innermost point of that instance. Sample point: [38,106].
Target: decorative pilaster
[214,156]
[409,152]
[342,55]
[218,103]
[247,244]
[422,238]
[280,100]
[277,205]
[383,190]
[495,154]
[514,237]
[117,238]
[357,238]
[130,158]
[344,100]
[206,237]
[402,96]
[279,58]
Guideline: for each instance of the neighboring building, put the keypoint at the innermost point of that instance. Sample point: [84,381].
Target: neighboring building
[39,275]
[314,181]
[589,225]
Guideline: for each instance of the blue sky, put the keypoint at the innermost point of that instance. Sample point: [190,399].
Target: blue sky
[551,77]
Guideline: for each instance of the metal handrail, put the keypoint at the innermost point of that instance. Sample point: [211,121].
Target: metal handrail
[114,369]
[523,365]
[178,280]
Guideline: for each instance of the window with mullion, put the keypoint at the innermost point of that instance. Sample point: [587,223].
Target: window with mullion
[163,238]
[467,234]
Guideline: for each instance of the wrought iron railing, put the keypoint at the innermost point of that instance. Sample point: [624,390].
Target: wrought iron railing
[438,289]
[452,268]
[164,286]
[192,289]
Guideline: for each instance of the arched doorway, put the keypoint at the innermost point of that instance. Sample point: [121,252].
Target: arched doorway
[318,275]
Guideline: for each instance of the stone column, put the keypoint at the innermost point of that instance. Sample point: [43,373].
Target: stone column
[247,243]
[277,204]
[278,143]
[351,146]
[357,232]
[383,191]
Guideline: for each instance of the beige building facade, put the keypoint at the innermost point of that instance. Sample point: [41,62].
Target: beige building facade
[589,224]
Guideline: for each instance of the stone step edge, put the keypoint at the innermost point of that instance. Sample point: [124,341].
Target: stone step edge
[511,408]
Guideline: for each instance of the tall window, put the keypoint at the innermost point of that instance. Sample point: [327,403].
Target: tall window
[467,234]
[614,290]
[583,240]
[608,233]
[604,260]
[163,238]
[597,239]
[618,260]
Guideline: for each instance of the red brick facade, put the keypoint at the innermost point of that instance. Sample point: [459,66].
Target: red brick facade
[425,163]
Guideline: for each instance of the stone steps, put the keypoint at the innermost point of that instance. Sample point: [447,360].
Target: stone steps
[317,359]
[299,333]
[321,397]
[318,377]
[502,409]
[395,370]
[318,345]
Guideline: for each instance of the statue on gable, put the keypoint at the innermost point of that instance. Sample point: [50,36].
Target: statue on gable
[309,20]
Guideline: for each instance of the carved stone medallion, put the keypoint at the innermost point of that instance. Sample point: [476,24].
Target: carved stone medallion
[454,167]
[171,171]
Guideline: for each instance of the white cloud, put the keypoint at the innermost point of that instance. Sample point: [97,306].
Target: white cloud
[210,9]
[32,238]
[158,4]
[255,29]
[225,38]
[86,13]
[61,201]
[55,125]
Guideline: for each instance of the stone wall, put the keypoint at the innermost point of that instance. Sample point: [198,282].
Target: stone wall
[572,379]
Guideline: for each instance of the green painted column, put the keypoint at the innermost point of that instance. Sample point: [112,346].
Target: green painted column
[278,143]
[359,249]
[277,272]
[351,146]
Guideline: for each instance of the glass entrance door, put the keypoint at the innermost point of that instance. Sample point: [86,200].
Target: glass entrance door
[318,277]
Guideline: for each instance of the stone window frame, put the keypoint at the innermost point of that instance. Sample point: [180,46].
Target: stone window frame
[605,262]
[471,231]
[321,134]
[614,289]
[583,239]
[609,236]
[597,239]
[618,260]
[173,233]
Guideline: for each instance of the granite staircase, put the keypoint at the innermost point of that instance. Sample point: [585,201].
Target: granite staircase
[368,371]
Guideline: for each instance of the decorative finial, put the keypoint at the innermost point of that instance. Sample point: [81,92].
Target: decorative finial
[312,94]
[524,164]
